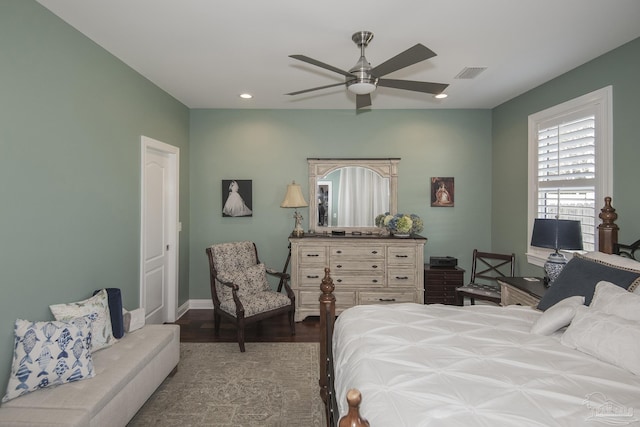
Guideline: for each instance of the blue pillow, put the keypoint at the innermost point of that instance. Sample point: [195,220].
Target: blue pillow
[115,311]
[580,276]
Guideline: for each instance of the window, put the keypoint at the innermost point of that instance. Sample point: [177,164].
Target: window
[570,170]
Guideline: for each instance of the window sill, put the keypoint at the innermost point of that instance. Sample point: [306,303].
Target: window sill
[538,257]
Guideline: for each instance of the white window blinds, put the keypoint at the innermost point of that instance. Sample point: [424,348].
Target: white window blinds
[567,172]
[570,167]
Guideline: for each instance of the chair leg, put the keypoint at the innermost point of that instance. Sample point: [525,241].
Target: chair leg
[473,301]
[241,334]
[292,322]
[216,322]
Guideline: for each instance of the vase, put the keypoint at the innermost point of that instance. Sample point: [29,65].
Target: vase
[402,235]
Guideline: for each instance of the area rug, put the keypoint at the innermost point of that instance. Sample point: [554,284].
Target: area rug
[270,385]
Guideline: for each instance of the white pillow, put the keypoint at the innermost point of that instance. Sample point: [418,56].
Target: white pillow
[557,316]
[611,299]
[606,337]
[98,306]
[617,261]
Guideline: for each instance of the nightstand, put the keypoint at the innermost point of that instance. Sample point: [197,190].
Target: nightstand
[521,290]
[440,284]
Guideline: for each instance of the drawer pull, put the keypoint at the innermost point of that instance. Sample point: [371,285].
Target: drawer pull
[374,281]
[374,252]
[339,280]
[402,256]
[386,299]
[339,266]
[313,277]
[338,252]
[313,255]
[402,277]
[374,266]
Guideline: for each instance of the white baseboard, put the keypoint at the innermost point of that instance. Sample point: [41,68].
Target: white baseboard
[195,304]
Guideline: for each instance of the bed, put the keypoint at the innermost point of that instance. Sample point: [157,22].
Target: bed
[575,363]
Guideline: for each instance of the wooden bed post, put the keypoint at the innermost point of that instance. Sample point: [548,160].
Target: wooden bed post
[327,314]
[607,230]
[353,418]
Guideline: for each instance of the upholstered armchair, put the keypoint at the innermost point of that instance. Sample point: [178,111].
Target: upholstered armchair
[240,290]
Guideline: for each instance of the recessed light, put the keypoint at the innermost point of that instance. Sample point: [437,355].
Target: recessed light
[246,96]
[441,96]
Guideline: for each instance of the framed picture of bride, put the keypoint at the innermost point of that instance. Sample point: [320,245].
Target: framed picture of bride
[237,197]
[442,192]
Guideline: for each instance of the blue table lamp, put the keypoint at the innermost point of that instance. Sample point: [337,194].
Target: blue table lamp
[556,234]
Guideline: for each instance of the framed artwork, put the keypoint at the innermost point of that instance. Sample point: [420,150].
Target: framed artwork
[237,197]
[442,192]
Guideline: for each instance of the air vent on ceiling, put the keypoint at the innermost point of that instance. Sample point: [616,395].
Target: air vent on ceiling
[470,72]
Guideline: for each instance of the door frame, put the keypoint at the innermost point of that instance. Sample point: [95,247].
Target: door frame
[173,227]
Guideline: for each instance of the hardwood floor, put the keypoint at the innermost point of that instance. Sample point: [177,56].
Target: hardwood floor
[197,326]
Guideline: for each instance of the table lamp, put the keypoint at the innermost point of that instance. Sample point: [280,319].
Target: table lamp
[295,199]
[556,234]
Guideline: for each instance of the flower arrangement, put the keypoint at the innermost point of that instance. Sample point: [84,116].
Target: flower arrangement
[400,223]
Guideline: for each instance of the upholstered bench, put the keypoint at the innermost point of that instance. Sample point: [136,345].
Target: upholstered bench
[126,375]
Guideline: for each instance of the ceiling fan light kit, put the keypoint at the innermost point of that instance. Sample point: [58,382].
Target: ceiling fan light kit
[362,79]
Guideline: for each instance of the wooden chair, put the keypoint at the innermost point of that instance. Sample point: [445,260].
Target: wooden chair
[486,269]
[240,290]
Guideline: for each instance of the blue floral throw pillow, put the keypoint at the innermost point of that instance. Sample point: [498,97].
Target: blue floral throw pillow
[47,354]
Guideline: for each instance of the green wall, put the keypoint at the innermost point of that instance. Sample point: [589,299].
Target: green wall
[618,68]
[271,148]
[71,117]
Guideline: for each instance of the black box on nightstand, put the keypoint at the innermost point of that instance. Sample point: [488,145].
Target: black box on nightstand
[443,261]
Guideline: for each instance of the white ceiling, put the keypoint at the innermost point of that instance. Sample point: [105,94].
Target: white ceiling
[206,52]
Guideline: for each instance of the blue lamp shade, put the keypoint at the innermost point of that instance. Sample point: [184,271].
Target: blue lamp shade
[556,234]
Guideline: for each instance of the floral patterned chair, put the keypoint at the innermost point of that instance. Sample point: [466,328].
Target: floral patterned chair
[240,290]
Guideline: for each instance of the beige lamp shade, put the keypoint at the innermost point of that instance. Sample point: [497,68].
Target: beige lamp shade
[294,197]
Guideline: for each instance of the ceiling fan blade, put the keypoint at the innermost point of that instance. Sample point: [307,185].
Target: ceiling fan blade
[315,88]
[426,87]
[363,101]
[321,65]
[410,56]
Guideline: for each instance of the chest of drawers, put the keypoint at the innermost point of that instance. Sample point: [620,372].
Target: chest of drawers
[364,269]
[440,284]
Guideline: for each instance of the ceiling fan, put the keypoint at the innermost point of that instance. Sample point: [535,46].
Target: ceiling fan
[362,79]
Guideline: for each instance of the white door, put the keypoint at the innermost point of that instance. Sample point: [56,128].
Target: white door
[159,237]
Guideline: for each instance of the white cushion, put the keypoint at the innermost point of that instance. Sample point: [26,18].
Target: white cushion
[48,354]
[98,305]
[606,337]
[611,299]
[617,261]
[557,316]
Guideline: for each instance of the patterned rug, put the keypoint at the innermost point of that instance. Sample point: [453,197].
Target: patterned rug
[270,385]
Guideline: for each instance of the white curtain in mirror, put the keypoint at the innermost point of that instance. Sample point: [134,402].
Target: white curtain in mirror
[366,186]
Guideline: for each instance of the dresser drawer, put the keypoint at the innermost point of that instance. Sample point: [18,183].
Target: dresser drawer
[367,265]
[357,252]
[401,255]
[311,276]
[441,289]
[386,297]
[343,299]
[401,277]
[367,280]
[312,255]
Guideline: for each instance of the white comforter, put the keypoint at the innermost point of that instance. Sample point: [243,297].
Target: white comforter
[435,365]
